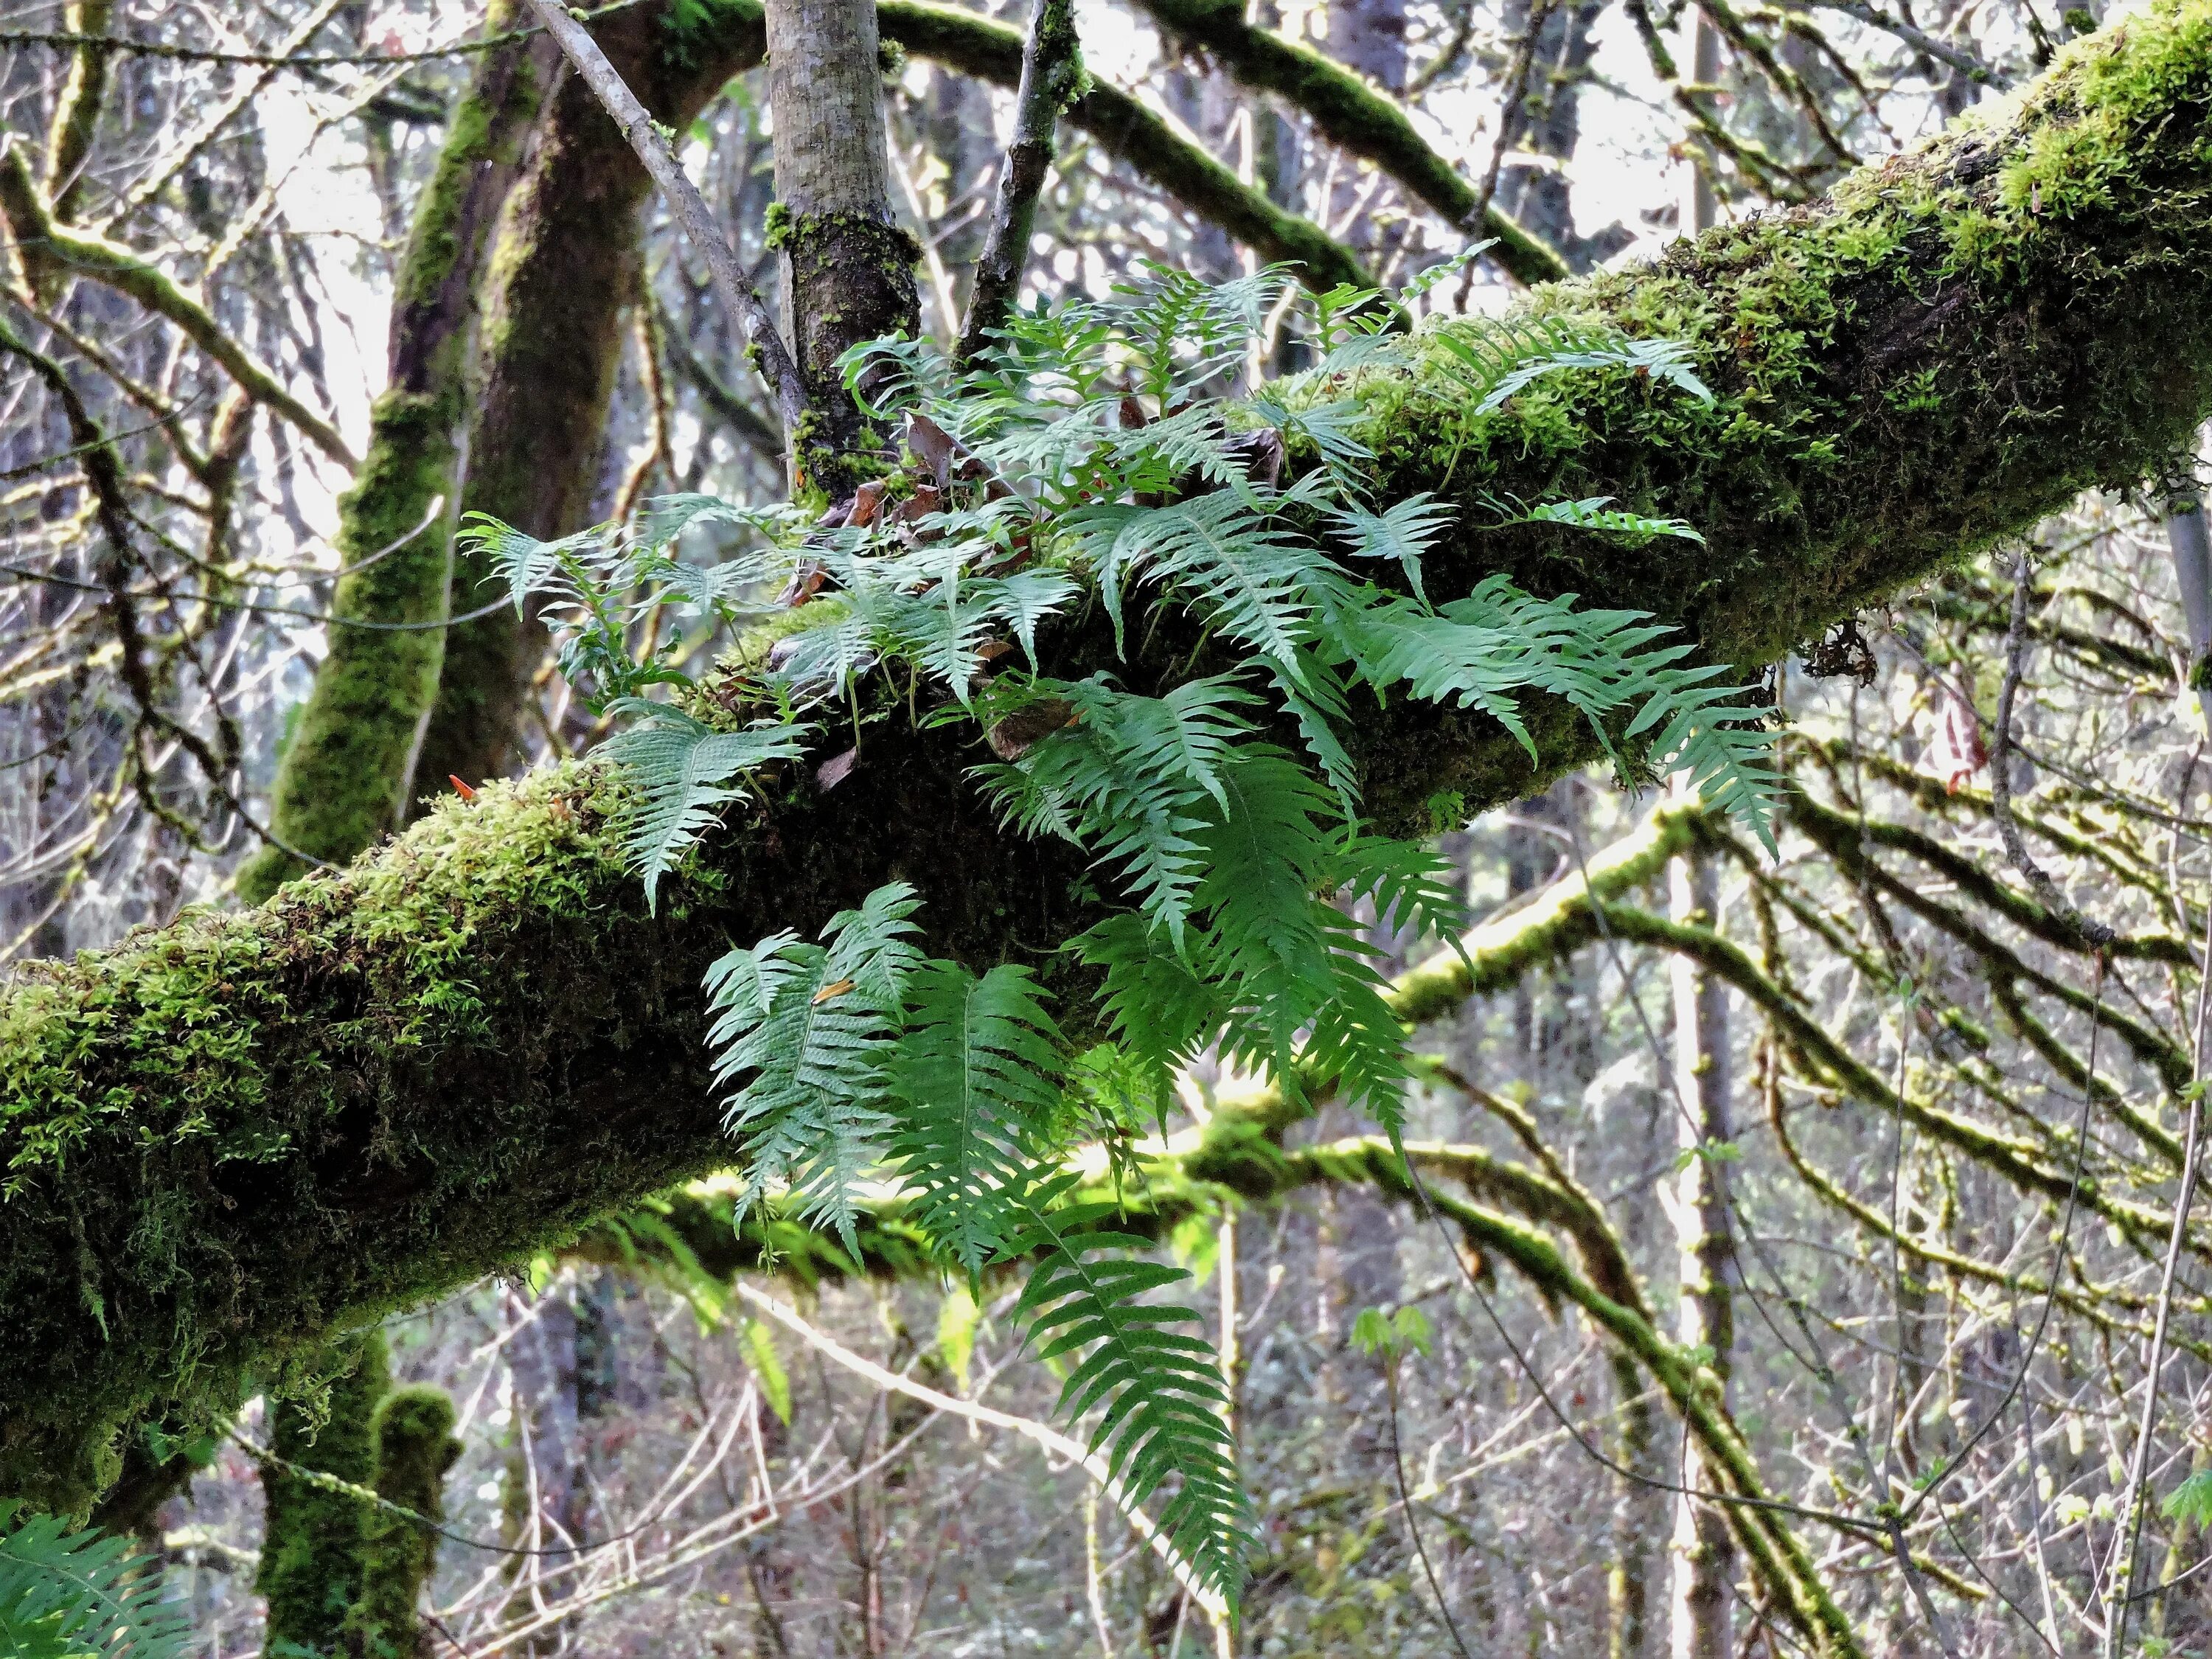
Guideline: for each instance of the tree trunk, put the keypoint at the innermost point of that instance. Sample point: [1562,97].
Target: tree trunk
[1704,1554]
[848,266]
[312,1537]
[229,1139]
[345,776]
[561,276]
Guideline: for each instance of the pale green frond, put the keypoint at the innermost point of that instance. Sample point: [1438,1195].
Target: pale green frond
[684,768]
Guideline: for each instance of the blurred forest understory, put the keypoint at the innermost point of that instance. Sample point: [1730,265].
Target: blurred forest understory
[1843,1175]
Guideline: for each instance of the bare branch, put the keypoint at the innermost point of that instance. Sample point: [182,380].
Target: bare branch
[1052,77]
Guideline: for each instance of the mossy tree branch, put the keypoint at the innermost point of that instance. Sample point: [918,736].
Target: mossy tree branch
[1357,117]
[346,776]
[229,1139]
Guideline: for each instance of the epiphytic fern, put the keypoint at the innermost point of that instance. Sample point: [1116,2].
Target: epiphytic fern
[1100,451]
[1157,1387]
[684,769]
[70,1594]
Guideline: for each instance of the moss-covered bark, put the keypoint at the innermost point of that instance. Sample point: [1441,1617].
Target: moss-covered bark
[345,773]
[226,1140]
[311,1548]
[414,1445]
[1129,131]
[559,278]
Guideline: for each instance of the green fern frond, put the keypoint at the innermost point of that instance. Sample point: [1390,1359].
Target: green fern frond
[1401,533]
[1124,775]
[1162,1404]
[1495,357]
[1598,513]
[526,566]
[975,1078]
[78,1594]
[682,769]
[810,1029]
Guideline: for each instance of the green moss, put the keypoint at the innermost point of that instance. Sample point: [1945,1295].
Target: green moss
[414,1442]
[344,775]
[1959,342]
[311,1549]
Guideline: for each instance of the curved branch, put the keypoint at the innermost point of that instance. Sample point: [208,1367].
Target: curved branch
[41,239]
[1353,115]
[1127,129]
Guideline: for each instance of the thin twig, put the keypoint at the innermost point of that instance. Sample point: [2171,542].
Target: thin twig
[2096,934]
[2128,1543]
[1051,1439]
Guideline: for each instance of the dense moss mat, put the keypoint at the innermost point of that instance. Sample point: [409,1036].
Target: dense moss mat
[225,1141]
[310,1550]
[413,1435]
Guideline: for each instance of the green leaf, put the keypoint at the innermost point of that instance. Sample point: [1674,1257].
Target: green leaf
[682,769]
[1598,513]
[2191,1502]
[65,1592]
[805,1031]
[975,1078]
[768,1369]
[1162,1405]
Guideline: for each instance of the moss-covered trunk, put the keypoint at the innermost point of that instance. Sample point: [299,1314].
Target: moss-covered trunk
[345,774]
[848,265]
[228,1139]
[561,272]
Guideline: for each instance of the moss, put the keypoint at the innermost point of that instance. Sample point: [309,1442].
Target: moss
[227,1140]
[341,784]
[1355,116]
[414,1443]
[560,277]
[311,1549]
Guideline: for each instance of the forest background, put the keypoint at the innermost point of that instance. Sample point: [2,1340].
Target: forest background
[1800,1229]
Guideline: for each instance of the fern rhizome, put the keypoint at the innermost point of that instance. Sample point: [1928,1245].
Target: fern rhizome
[1103,455]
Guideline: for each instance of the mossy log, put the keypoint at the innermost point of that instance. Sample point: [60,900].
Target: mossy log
[227,1140]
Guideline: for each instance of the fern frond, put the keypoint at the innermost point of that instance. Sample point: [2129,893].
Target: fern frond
[682,769]
[1162,1404]
[72,1595]
[975,1078]
[1401,533]
[1495,358]
[1124,776]
[526,566]
[810,1029]
[1598,513]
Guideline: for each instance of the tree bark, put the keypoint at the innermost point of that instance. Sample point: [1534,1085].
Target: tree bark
[227,1140]
[344,779]
[1705,1555]
[848,266]
[559,278]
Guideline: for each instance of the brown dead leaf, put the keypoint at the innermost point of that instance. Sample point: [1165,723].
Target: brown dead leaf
[835,988]
[1022,730]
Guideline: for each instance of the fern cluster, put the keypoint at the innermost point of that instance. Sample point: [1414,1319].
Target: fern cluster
[1100,455]
[70,1594]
